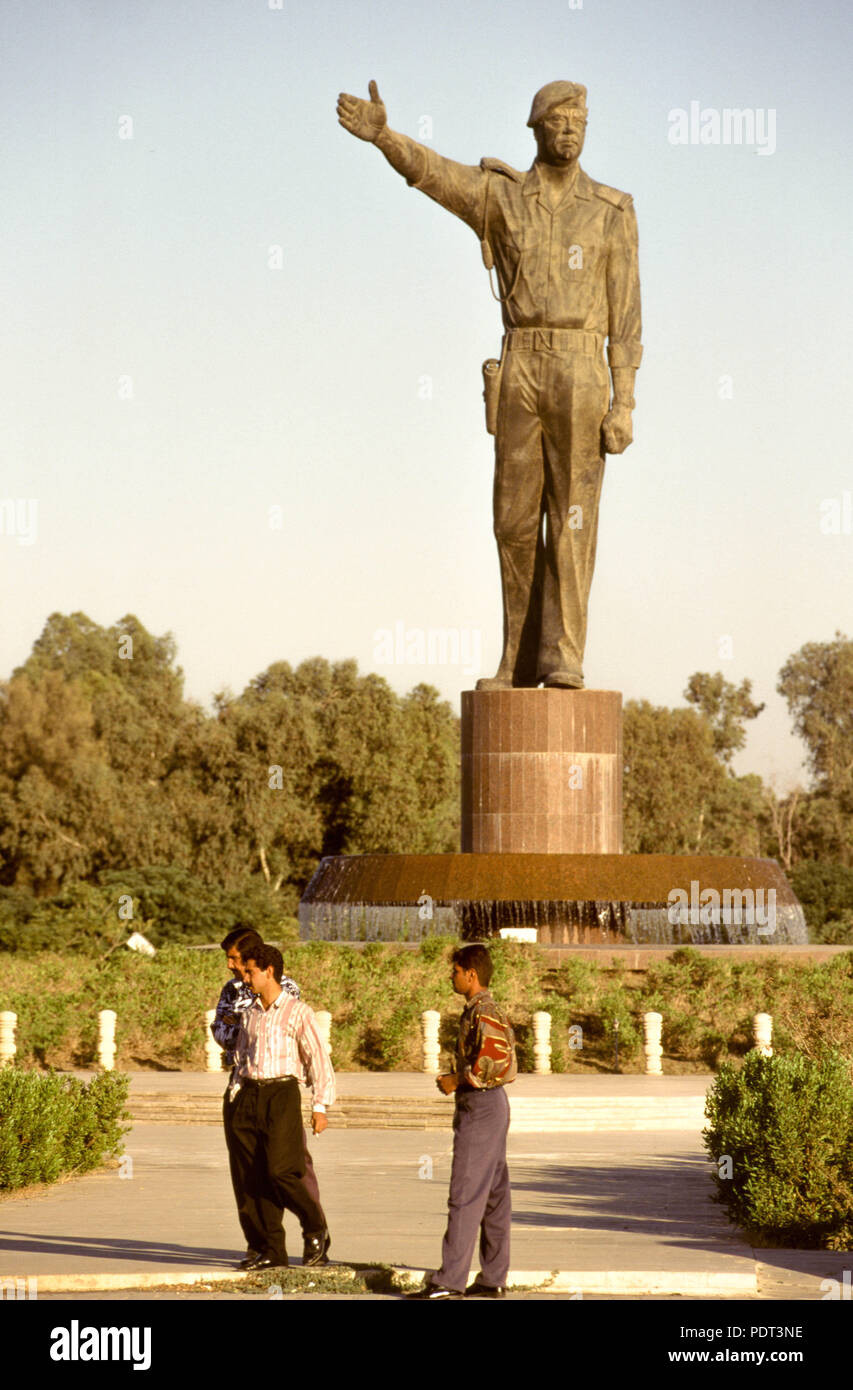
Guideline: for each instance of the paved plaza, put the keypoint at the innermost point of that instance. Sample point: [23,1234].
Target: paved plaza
[596,1212]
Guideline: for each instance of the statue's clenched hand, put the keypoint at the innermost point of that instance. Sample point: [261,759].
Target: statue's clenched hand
[616,429]
[362,118]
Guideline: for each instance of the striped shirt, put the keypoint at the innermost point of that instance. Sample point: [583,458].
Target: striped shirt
[236,997]
[284,1040]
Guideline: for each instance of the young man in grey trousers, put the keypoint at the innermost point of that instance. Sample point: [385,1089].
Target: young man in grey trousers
[479,1199]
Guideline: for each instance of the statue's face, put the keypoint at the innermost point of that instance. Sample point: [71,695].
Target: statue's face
[560,135]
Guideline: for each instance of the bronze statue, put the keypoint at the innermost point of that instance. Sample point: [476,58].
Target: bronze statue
[565,252]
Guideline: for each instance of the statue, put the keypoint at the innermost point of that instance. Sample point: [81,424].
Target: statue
[565,252]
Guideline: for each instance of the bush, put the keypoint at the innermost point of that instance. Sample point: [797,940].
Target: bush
[169,906]
[51,1125]
[786,1123]
[835,931]
[825,890]
[83,919]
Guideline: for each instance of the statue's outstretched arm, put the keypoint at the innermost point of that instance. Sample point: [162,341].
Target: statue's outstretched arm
[367,120]
[457,187]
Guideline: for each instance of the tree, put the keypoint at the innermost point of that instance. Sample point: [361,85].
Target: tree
[817,683]
[92,729]
[726,708]
[672,775]
[106,768]
[783,812]
[273,736]
[679,795]
[51,777]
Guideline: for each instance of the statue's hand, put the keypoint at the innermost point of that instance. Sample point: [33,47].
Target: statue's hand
[362,118]
[616,429]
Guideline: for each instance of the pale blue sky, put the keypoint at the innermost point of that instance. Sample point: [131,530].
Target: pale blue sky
[303,387]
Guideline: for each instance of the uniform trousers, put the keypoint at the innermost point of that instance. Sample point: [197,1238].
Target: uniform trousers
[480,1198]
[268,1156]
[549,468]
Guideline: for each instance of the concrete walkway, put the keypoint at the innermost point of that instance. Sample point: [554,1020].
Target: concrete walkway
[620,1212]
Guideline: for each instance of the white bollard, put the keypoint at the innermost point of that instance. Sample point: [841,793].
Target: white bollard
[212,1051]
[8,1024]
[542,1043]
[431,1020]
[324,1027]
[652,1025]
[762,1032]
[107,1038]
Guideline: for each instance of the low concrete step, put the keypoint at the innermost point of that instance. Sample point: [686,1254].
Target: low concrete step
[557,1114]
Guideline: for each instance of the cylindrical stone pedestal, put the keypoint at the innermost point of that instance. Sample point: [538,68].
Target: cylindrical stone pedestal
[541,772]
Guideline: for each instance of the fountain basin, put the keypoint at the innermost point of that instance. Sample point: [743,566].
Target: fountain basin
[569,899]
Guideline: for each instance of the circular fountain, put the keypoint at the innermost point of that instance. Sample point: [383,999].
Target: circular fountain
[541,842]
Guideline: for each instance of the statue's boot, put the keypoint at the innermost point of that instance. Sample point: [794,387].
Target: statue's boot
[563,680]
[496,682]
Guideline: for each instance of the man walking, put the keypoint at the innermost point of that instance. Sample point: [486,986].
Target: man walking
[303,1196]
[479,1198]
[236,994]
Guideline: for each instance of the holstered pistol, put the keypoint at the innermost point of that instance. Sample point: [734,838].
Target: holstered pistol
[492,373]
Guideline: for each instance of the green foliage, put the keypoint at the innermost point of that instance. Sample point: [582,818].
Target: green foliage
[106,770]
[52,1125]
[837,932]
[435,948]
[726,708]
[376,996]
[110,777]
[826,893]
[817,682]
[82,917]
[786,1123]
[168,905]
[614,1010]
[679,797]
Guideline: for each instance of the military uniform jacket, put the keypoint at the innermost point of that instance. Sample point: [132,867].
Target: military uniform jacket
[573,266]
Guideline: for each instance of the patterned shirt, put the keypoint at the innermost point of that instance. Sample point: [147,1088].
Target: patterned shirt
[234,999]
[485,1047]
[284,1040]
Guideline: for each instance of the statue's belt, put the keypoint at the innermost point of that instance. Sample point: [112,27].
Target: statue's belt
[554,340]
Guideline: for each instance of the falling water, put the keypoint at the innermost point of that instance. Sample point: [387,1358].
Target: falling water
[334,909]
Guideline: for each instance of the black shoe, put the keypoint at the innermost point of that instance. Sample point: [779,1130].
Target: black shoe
[434,1293]
[478,1290]
[251,1256]
[265,1262]
[315,1248]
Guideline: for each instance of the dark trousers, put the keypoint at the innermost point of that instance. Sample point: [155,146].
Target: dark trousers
[480,1199]
[269,1160]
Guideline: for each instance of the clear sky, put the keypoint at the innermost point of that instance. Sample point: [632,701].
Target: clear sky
[241,359]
